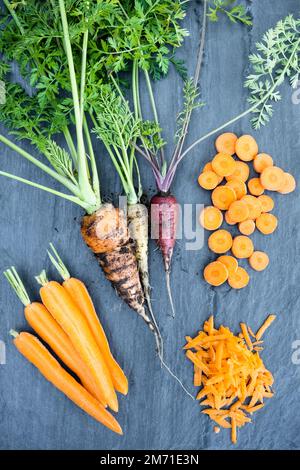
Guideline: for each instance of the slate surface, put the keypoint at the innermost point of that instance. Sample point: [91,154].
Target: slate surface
[157,414]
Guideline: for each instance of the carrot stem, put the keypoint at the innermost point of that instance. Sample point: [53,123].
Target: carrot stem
[16,283]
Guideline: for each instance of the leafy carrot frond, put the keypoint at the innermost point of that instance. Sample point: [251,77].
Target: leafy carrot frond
[276,58]
[116,124]
[16,283]
[191,102]
[61,160]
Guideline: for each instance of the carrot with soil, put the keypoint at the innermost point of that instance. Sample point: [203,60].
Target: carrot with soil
[34,351]
[42,322]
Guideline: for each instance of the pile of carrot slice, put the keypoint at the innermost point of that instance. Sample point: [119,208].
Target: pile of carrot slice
[233,378]
[244,203]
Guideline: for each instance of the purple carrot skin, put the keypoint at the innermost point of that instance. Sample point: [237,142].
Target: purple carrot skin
[164,219]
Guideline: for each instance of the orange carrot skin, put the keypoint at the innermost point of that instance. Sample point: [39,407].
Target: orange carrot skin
[65,311]
[42,322]
[82,298]
[36,353]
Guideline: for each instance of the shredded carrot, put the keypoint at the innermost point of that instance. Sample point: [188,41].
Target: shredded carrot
[264,326]
[232,377]
[246,335]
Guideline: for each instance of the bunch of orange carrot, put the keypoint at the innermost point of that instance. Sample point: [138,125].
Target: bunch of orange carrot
[249,211]
[67,322]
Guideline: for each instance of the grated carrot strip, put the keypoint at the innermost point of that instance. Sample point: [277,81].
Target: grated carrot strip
[246,335]
[264,326]
[233,431]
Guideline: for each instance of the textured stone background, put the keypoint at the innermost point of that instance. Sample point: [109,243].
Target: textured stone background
[157,414]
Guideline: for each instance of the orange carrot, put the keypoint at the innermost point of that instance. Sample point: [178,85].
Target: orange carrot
[34,351]
[267,203]
[255,187]
[215,273]
[254,206]
[264,327]
[272,178]
[238,186]
[211,218]
[246,335]
[42,322]
[208,180]
[220,241]
[266,223]
[65,311]
[238,211]
[228,219]
[241,172]
[288,185]
[242,247]
[225,143]
[80,295]
[246,148]
[208,167]
[223,164]
[262,161]
[239,279]
[230,262]
[247,227]
[259,260]
[82,298]
[222,197]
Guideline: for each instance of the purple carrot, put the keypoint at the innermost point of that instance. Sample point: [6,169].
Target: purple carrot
[164,219]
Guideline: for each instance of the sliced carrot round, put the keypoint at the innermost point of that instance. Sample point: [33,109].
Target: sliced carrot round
[262,161]
[242,247]
[247,227]
[255,187]
[225,143]
[228,219]
[211,218]
[230,262]
[222,197]
[272,178]
[215,273]
[266,223]
[246,148]
[267,203]
[238,186]
[239,279]
[238,211]
[259,260]
[254,206]
[208,180]
[289,184]
[220,241]
[241,172]
[208,167]
[223,164]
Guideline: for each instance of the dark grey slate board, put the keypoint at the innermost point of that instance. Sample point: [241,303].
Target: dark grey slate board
[157,414]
